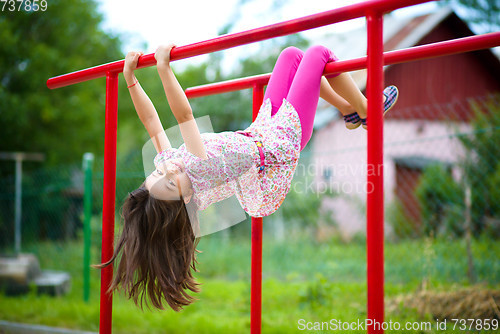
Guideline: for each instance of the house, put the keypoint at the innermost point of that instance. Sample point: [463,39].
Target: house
[433,107]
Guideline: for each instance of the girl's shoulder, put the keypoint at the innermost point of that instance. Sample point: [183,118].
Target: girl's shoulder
[166,154]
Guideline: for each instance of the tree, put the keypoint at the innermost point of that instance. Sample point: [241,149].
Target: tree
[62,123]
[442,198]
[228,112]
[441,201]
[482,166]
[484,13]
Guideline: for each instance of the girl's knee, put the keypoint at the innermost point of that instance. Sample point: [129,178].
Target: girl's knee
[292,52]
[321,52]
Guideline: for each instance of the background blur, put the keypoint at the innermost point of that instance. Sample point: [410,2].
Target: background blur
[442,174]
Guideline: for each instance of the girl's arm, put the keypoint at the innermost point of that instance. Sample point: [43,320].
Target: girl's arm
[143,105]
[179,103]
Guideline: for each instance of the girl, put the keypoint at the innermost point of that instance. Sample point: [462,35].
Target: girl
[158,242]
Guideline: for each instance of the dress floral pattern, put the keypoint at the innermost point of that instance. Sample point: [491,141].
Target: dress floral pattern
[232,167]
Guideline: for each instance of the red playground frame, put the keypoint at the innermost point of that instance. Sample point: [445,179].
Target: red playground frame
[373,11]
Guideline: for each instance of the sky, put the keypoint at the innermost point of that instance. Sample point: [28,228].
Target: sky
[182,22]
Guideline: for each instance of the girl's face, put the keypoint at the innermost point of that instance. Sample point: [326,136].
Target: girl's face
[169,181]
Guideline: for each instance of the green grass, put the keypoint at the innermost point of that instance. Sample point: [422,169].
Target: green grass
[302,280]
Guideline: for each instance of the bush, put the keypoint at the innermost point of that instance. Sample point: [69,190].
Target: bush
[441,200]
[482,164]
[403,227]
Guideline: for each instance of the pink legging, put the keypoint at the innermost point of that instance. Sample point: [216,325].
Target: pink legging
[297,78]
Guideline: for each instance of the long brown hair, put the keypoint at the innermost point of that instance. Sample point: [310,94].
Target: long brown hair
[158,251]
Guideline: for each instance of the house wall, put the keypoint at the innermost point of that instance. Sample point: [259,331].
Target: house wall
[343,153]
[434,105]
[439,88]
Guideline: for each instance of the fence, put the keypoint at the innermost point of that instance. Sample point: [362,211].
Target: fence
[373,11]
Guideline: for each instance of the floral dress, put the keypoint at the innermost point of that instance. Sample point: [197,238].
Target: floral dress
[233,164]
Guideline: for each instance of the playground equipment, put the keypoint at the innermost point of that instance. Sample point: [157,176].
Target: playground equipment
[19,157]
[88,161]
[18,272]
[373,11]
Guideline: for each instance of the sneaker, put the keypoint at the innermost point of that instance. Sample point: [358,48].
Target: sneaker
[352,121]
[391,94]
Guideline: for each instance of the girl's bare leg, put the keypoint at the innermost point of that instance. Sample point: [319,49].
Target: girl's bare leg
[329,95]
[344,88]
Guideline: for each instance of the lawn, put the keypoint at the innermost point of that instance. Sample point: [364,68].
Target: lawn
[304,284]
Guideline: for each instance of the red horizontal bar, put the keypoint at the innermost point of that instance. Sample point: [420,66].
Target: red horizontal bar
[228,86]
[250,36]
[445,48]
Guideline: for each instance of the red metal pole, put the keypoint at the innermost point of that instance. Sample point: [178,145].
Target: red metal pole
[431,50]
[438,49]
[108,201]
[375,172]
[256,285]
[246,37]
[228,86]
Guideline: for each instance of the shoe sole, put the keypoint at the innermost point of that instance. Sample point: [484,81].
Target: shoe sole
[393,104]
[395,101]
[352,126]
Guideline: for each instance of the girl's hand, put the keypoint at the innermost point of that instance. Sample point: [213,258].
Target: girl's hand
[131,60]
[130,65]
[162,54]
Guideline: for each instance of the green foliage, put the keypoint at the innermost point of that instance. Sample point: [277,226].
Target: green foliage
[442,198]
[233,111]
[7,211]
[316,293]
[483,12]
[301,281]
[441,201]
[403,227]
[51,204]
[492,223]
[482,164]
[228,111]
[303,205]
[66,122]
[62,123]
